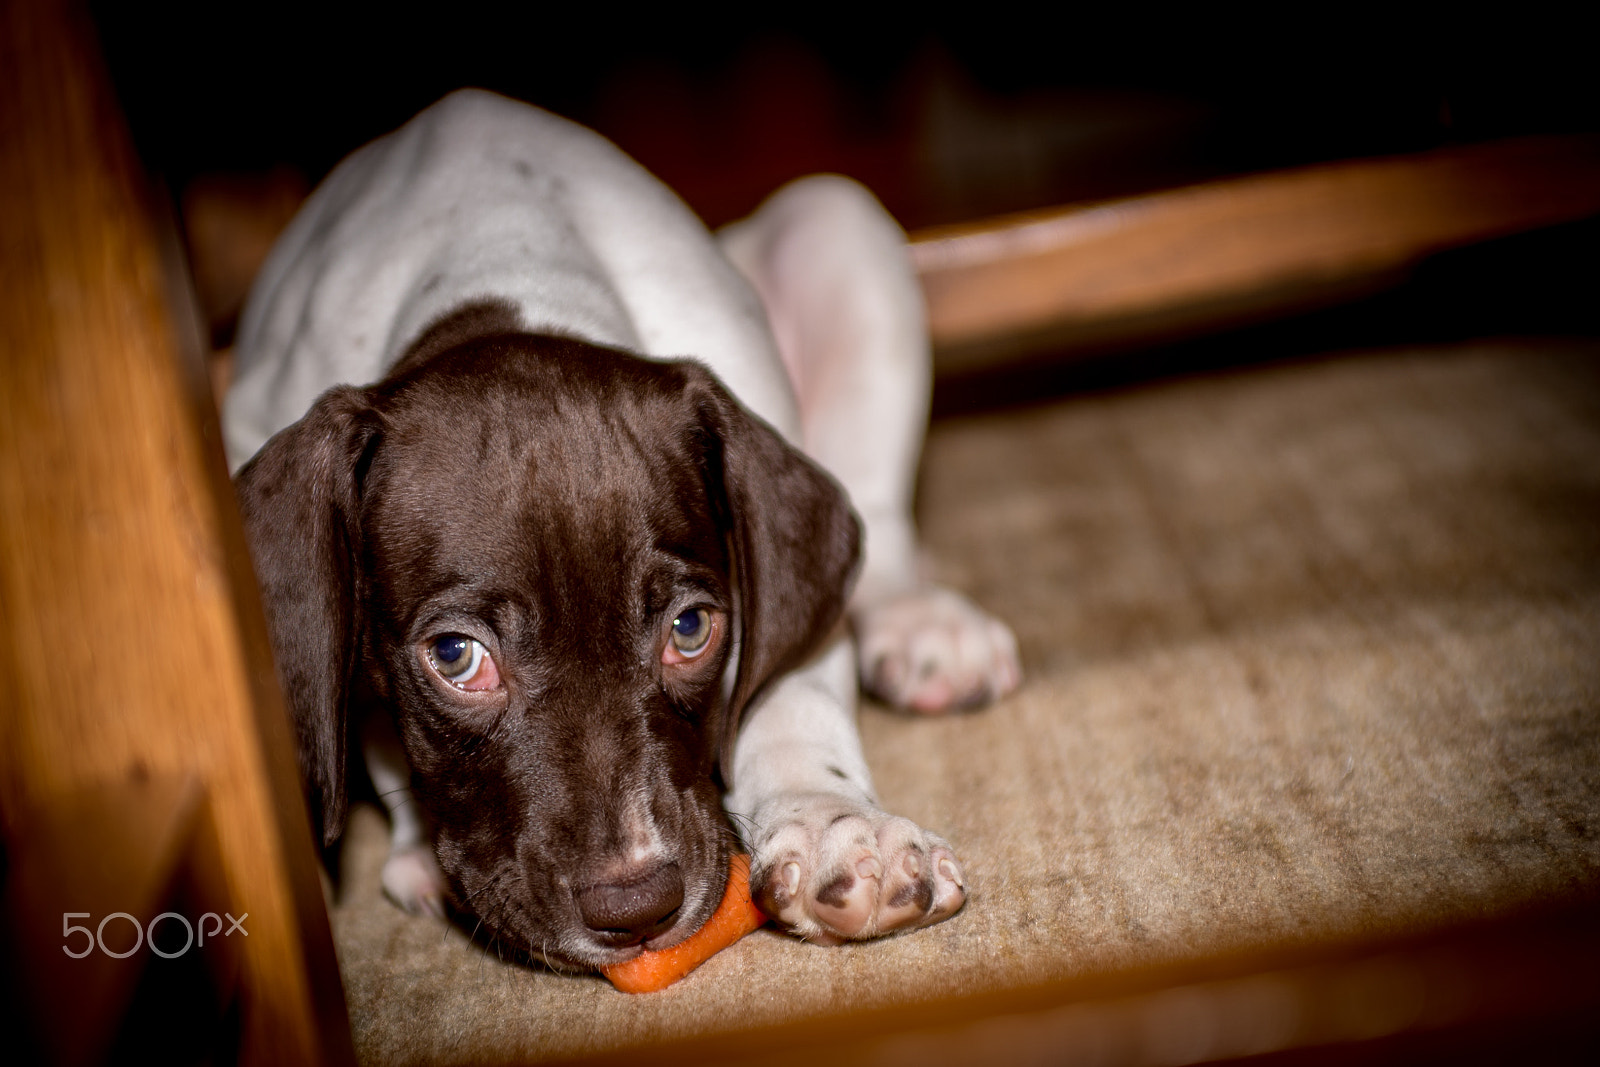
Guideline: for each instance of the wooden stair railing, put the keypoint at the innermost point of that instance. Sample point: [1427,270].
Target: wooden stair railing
[1204,257]
[146,763]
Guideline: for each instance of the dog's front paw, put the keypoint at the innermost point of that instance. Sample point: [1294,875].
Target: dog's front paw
[412,879]
[934,650]
[836,871]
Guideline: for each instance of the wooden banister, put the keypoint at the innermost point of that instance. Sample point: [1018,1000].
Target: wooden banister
[134,647]
[1210,255]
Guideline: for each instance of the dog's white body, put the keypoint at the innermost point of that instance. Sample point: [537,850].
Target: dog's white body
[513,204]
[808,313]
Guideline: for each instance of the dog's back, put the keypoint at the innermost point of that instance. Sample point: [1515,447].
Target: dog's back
[480,198]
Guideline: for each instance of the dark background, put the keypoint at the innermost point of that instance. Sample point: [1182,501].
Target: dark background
[955,115]
[947,116]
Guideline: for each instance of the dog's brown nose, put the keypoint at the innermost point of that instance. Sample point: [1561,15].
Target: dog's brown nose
[626,913]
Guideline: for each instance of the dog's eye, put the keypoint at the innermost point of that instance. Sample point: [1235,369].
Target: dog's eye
[691,632]
[463,662]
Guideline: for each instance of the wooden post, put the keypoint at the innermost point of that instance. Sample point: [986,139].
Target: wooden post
[1208,256]
[134,649]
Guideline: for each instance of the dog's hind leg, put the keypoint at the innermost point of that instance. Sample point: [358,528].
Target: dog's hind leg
[844,305]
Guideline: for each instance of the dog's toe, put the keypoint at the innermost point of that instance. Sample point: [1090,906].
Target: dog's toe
[412,879]
[949,885]
[935,651]
[845,902]
[923,885]
[817,875]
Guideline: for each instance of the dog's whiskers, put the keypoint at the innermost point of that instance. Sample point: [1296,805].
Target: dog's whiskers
[481,888]
[407,797]
[744,832]
[481,957]
[473,937]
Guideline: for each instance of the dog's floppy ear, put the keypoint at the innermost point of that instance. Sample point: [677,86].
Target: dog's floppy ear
[796,547]
[299,498]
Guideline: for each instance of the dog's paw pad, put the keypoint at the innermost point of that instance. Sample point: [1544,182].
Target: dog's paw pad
[845,903]
[907,895]
[934,651]
[412,879]
[846,877]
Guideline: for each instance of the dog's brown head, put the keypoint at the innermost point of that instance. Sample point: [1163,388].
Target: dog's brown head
[565,571]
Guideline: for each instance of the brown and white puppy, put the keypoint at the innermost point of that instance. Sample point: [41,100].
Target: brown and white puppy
[571,557]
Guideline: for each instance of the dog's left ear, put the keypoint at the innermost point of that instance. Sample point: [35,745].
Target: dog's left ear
[299,500]
[796,546]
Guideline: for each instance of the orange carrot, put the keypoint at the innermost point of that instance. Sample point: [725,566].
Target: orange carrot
[734,917]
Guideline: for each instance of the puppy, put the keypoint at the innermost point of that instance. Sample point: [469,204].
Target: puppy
[577,547]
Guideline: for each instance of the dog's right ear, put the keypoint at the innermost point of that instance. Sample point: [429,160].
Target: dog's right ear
[299,497]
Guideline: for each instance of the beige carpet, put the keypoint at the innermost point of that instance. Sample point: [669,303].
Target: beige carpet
[1311,650]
